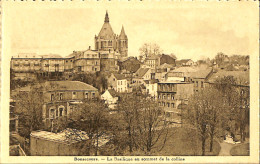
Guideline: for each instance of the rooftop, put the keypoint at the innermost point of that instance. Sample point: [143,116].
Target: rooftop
[141,72]
[201,74]
[242,77]
[67,136]
[62,85]
[119,76]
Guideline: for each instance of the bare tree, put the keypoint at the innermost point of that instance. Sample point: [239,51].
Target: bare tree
[152,129]
[205,112]
[149,49]
[91,117]
[29,108]
[128,106]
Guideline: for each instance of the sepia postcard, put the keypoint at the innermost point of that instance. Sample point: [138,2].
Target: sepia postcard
[129,81]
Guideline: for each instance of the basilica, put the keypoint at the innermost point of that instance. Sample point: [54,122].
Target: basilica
[109,49]
[107,40]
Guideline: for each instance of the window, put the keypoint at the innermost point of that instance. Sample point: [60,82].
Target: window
[172,97]
[172,105]
[52,97]
[74,95]
[61,111]
[168,104]
[202,84]
[114,79]
[86,95]
[52,114]
[93,95]
[61,96]
[197,83]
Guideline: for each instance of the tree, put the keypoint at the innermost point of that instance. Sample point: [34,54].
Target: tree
[151,127]
[236,94]
[29,108]
[128,106]
[149,49]
[220,58]
[91,117]
[205,113]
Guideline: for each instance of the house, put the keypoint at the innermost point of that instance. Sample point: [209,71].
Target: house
[25,66]
[167,59]
[184,62]
[152,61]
[131,64]
[86,61]
[141,75]
[110,97]
[180,74]
[164,68]
[60,98]
[118,82]
[151,87]
[172,96]
[200,77]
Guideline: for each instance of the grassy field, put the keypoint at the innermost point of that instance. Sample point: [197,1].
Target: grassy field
[240,150]
[183,142]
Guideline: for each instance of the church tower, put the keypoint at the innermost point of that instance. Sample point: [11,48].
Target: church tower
[123,43]
[107,40]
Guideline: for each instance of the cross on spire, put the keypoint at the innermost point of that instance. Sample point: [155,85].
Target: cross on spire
[106,18]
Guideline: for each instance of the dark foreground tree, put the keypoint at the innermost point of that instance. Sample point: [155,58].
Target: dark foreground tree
[29,108]
[205,113]
[91,117]
[151,127]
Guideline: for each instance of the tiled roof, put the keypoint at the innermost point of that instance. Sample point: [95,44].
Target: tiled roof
[184,69]
[201,73]
[63,86]
[113,92]
[141,72]
[122,34]
[61,136]
[152,57]
[165,65]
[242,77]
[52,56]
[106,31]
[119,76]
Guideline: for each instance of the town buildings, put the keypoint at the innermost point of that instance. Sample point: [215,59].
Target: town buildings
[172,95]
[184,62]
[118,82]
[60,98]
[110,97]
[109,48]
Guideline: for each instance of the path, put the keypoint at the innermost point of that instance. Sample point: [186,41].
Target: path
[225,149]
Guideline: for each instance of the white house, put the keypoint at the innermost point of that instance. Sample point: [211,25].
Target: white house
[151,87]
[118,82]
[110,98]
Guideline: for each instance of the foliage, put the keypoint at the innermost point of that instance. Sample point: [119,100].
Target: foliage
[29,109]
[97,80]
[91,117]
[206,113]
[144,125]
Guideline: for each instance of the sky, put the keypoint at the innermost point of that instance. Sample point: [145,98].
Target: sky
[188,30]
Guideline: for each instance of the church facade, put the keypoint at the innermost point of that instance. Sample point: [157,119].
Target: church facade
[107,40]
